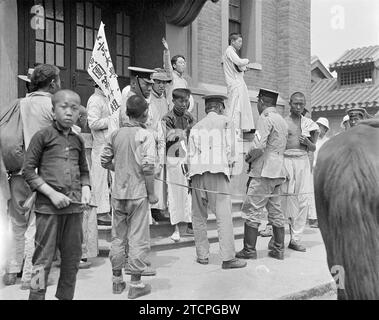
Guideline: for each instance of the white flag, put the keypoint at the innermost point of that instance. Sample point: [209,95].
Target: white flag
[101,70]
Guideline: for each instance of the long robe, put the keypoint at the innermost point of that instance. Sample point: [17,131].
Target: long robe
[179,200]
[158,107]
[98,121]
[238,107]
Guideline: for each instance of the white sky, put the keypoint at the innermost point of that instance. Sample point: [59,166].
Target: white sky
[339,25]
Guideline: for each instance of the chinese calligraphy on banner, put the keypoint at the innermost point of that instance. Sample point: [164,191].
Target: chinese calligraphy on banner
[101,70]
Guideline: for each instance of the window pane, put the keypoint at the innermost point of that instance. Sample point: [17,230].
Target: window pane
[59,32]
[50,30]
[119,44]
[88,57]
[119,22]
[40,34]
[89,13]
[50,53]
[49,9]
[80,37]
[79,13]
[79,59]
[126,65]
[59,9]
[59,54]
[126,25]
[97,17]
[126,46]
[119,66]
[89,38]
[40,55]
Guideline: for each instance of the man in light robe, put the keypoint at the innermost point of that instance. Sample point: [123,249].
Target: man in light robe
[158,108]
[239,108]
[99,117]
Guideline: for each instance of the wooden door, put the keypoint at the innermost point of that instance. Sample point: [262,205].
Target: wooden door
[68,37]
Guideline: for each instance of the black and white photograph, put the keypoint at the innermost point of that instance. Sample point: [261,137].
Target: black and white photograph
[213,151]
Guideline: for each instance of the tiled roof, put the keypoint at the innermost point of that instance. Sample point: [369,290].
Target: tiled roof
[356,57]
[325,95]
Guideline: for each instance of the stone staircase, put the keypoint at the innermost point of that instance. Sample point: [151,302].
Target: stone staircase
[160,233]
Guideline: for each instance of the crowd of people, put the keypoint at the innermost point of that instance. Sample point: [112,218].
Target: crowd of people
[75,175]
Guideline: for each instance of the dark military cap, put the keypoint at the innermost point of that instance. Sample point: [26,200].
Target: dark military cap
[214,98]
[142,73]
[272,95]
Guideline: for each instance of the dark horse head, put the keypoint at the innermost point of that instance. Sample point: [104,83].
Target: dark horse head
[346,181]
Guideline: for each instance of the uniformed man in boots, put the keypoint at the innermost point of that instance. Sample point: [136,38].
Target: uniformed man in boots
[267,175]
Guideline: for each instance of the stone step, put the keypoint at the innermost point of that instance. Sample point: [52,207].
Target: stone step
[160,234]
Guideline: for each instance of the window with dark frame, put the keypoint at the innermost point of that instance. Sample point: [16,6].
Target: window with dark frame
[354,76]
[50,41]
[234,16]
[122,44]
[88,18]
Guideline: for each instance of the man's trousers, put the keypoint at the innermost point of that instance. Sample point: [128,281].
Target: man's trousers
[23,228]
[256,201]
[220,205]
[54,231]
[130,227]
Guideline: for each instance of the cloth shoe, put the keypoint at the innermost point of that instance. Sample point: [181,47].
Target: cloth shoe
[277,246]
[139,290]
[118,285]
[202,260]
[175,236]
[9,279]
[294,245]
[233,264]
[249,242]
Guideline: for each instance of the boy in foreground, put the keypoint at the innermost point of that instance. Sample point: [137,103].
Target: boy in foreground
[62,185]
[130,153]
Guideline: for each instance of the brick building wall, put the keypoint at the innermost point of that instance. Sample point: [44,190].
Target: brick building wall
[285,47]
[210,44]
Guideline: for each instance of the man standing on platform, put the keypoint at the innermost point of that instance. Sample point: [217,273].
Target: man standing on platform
[210,162]
[267,175]
[302,138]
[239,107]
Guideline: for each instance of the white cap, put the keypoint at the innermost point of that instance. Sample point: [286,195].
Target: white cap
[345,118]
[324,122]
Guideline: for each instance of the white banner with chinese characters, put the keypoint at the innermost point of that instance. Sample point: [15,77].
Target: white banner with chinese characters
[101,70]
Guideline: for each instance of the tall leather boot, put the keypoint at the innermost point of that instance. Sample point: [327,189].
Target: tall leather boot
[277,250]
[249,242]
